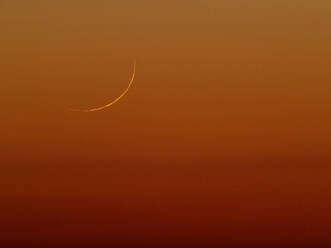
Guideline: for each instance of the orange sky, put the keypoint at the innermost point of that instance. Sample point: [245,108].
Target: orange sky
[225,131]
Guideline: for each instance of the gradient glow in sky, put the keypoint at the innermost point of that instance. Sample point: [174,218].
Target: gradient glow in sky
[224,137]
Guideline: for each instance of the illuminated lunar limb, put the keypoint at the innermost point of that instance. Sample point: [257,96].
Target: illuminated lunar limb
[117,99]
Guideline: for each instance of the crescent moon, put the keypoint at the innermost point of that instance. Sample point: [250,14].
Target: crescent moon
[115,100]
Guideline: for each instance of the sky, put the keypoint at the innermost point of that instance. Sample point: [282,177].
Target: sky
[223,138]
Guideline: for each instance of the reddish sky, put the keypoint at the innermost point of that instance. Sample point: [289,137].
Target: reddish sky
[223,138]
